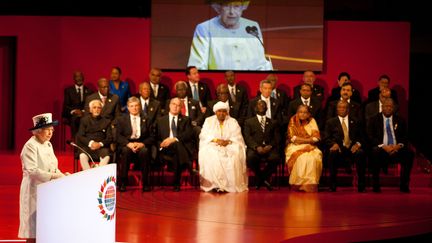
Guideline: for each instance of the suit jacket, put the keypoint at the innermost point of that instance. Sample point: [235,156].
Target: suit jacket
[153,110]
[373,95]
[375,130]
[195,114]
[335,95]
[277,112]
[333,132]
[72,100]
[203,91]
[281,96]
[240,106]
[254,135]
[354,110]
[97,129]
[314,106]
[163,94]
[110,110]
[317,92]
[372,109]
[124,131]
[161,131]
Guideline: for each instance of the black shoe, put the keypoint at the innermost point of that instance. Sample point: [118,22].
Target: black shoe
[405,189]
[361,189]
[176,188]
[122,188]
[268,185]
[376,189]
[146,189]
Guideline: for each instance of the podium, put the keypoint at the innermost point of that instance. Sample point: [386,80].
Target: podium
[78,208]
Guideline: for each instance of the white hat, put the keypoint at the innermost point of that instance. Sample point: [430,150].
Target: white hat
[221,106]
[43,120]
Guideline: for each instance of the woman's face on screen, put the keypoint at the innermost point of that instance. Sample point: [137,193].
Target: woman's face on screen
[230,14]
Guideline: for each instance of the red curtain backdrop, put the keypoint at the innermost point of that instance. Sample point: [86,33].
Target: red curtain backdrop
[49,49]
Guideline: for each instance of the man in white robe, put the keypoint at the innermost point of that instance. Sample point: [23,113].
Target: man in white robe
[222,153]
[228,41]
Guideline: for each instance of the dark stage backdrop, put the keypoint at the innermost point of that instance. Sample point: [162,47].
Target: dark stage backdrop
[49,49]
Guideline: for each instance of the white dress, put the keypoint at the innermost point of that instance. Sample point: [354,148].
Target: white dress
[222,168]
[38,164]
[215,47]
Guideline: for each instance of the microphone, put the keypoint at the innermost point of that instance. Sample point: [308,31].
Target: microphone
[78,147]
[253,30]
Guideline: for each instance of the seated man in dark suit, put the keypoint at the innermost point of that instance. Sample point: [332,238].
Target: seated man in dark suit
[388,138]
[343,78]
[275,110]
[239,99]
[159,91]
[346,93]
[223,94]
[111,103]
[196,89]
[94,136]
[134,141]
[73,103]
[383,82]
[375,107]
[343,140]
[261,136]
[151,107]
[173,135]
[317,90]
[306,98]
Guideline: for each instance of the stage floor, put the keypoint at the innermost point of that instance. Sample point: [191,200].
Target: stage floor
[256,216]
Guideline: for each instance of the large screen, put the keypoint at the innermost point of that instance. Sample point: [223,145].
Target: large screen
[255,35]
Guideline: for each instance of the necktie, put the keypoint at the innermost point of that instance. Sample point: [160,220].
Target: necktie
[346,140]
[262,123]
[174,127]
[145,108]
[268,113]
[306,103]
[183,107]
[79,94]
[155,91]
[134,128]
[232,93]
[195,94]
[103,100]
[390,139]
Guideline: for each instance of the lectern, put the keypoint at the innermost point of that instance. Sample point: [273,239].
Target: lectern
[78,208]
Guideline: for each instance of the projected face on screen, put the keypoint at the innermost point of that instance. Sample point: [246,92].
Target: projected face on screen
[228,41]
[227,35]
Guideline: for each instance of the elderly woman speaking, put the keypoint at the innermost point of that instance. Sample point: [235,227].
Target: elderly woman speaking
[39,165]
[222,154]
